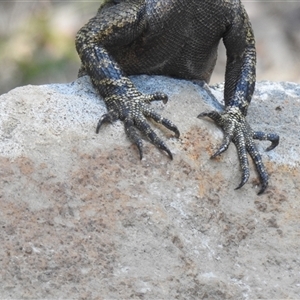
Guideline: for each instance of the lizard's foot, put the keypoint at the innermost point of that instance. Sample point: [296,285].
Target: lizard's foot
[133,112]
[236,129]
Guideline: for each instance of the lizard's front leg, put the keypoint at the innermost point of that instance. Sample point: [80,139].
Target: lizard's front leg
[239,87]
[116,27]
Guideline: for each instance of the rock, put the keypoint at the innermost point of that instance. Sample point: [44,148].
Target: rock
[82,217]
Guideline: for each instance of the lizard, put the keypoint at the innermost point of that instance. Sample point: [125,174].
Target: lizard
[177,38]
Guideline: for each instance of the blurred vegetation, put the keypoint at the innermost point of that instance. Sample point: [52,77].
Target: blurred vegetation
[37,40]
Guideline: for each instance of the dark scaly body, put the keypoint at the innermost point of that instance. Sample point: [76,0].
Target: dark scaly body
[176,38]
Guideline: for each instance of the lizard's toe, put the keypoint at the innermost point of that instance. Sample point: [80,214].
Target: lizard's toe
[133,135]
[110,117]
[261,170]
[165,122]
[145,128]
[240,143]
[158,97]
[272,137]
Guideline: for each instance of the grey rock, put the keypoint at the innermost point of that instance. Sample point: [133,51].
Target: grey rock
[83,218]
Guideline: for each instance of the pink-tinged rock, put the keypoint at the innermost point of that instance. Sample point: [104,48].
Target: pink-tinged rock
[83,218]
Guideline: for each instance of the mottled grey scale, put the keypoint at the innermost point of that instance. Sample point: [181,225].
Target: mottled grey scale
[176,38]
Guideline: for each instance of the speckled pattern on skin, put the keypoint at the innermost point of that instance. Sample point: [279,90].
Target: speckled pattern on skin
[180,39]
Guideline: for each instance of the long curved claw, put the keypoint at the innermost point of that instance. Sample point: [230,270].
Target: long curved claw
[272,137]
[168,124]
[214,115]
[108,117]
[264,185]
[245,178]
[105,118]
[224,146]
[168,151]
[161,145]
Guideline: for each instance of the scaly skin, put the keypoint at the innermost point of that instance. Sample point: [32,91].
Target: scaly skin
[176,38]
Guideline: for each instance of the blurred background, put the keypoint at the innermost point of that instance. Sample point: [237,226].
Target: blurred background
[37,40]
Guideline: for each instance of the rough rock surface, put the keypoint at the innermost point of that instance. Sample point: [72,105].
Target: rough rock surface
[83,218]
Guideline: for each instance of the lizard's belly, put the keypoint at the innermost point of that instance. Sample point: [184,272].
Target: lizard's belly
[182,61]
